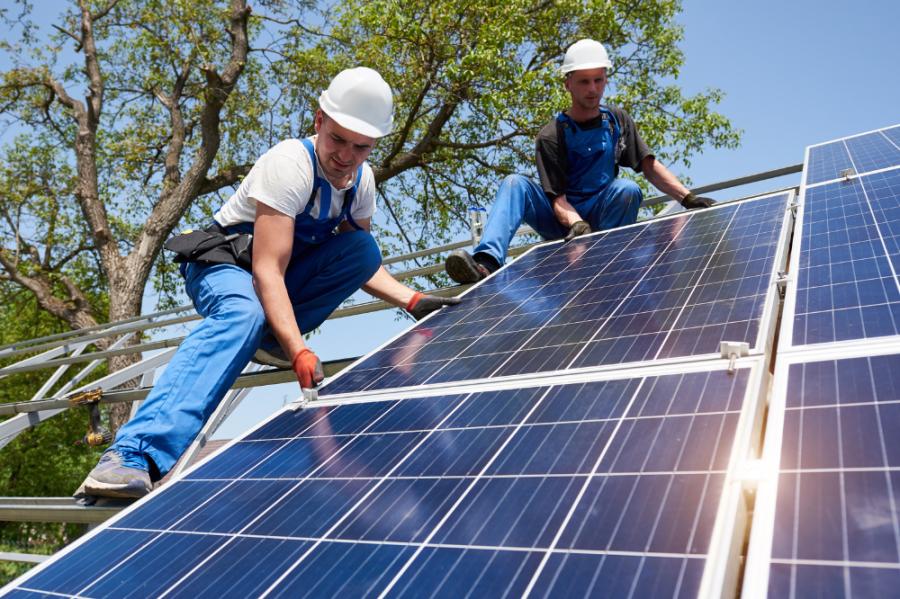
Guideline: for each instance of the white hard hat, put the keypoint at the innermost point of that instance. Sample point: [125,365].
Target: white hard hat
[360,100]
[585,54]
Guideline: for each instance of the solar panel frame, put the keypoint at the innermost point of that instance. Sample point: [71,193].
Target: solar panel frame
[787,342]
[758,570]
[812,170]
[762,344]
[721,559]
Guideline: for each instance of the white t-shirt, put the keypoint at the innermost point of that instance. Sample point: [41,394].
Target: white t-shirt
[282,179]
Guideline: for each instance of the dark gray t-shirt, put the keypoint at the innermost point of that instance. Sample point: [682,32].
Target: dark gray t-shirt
[552,164]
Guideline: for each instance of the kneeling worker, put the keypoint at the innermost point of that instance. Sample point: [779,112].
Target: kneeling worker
[308,204]
[578,157]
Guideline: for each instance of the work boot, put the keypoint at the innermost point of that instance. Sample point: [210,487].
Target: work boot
[464,268]
[112,478]
[272,357]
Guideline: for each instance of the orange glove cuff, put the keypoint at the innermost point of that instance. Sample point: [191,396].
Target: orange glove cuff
[414,300]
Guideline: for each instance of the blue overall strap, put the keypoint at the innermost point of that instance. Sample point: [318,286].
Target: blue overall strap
[616,135]
[348,200]
[325,198]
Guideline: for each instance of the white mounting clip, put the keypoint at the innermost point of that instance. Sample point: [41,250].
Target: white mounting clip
[732,350]
[781,281]
[847,173]
[306,396]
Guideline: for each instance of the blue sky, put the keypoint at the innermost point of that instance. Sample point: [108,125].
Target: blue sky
[795,73]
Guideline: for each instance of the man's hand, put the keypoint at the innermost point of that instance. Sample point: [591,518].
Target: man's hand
[308,368]
[422,305]
[692,202]
[578,229]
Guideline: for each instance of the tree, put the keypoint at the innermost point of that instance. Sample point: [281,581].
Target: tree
[45,461]
[134,114]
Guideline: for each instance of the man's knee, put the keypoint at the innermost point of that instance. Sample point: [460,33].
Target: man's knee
[513,187]
[364,253]
[629,191]
[243,312]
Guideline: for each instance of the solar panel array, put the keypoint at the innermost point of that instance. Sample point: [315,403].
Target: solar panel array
[826,517]
[609,485]
[590,480]
[673,288]
[569,429]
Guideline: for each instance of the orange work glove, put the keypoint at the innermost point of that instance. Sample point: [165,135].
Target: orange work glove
[308,368]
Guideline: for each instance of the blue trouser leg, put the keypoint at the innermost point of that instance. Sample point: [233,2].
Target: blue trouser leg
[319,277]
[518,199]
[202,370]
[614,206]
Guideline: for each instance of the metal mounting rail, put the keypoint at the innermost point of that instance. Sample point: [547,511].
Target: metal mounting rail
[52,509]
[256,379]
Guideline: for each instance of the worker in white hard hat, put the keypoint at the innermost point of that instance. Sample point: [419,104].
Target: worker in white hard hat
[308,205]
[578,158]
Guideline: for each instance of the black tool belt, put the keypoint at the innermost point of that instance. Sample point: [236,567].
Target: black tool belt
[212,245]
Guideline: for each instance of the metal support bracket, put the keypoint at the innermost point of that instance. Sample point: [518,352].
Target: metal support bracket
[794,207]
[732,350]
[847,174]
[306,396]
[781,282]
[477,219]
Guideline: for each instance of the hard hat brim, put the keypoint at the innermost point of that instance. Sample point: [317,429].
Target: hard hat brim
[586,66]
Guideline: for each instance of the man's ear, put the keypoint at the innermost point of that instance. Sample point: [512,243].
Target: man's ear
[317,121]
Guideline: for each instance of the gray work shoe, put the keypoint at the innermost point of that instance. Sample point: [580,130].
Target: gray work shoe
[463,268]
[111,478]
[272,357]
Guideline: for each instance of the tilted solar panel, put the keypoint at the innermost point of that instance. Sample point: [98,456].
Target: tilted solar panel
[827,523]
[605,482]
[847,260]
[857,154]
[671,288]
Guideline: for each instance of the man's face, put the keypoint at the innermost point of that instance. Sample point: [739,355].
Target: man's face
[586,87]
[340,150]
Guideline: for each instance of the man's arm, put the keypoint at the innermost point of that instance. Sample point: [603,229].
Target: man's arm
[273,239]
[564,211]
[662,179]
[385,287]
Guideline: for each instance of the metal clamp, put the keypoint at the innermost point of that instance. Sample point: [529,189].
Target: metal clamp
[781,282]
[732,350]
[847,174]
[306,396]
[477,219]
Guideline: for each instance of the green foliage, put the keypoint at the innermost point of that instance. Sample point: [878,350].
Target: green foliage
[44,461]
[474,81]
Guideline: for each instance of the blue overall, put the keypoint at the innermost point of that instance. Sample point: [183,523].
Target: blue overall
[325,268]
[592,188]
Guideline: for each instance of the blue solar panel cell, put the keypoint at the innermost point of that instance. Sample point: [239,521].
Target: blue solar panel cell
[836,515]
[827,162]
[670,288]
[580,575]
[847,287]
[497,484]
[872,151]
[832,581]
[893,134]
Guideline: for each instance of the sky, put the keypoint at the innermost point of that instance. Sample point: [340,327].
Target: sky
[794,73]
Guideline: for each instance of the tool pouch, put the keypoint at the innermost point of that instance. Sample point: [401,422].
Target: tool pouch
[212,245]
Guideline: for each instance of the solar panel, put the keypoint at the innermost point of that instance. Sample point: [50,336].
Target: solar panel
[596,483]
[826,522]
[848,259]
[671,288]
[859,154]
